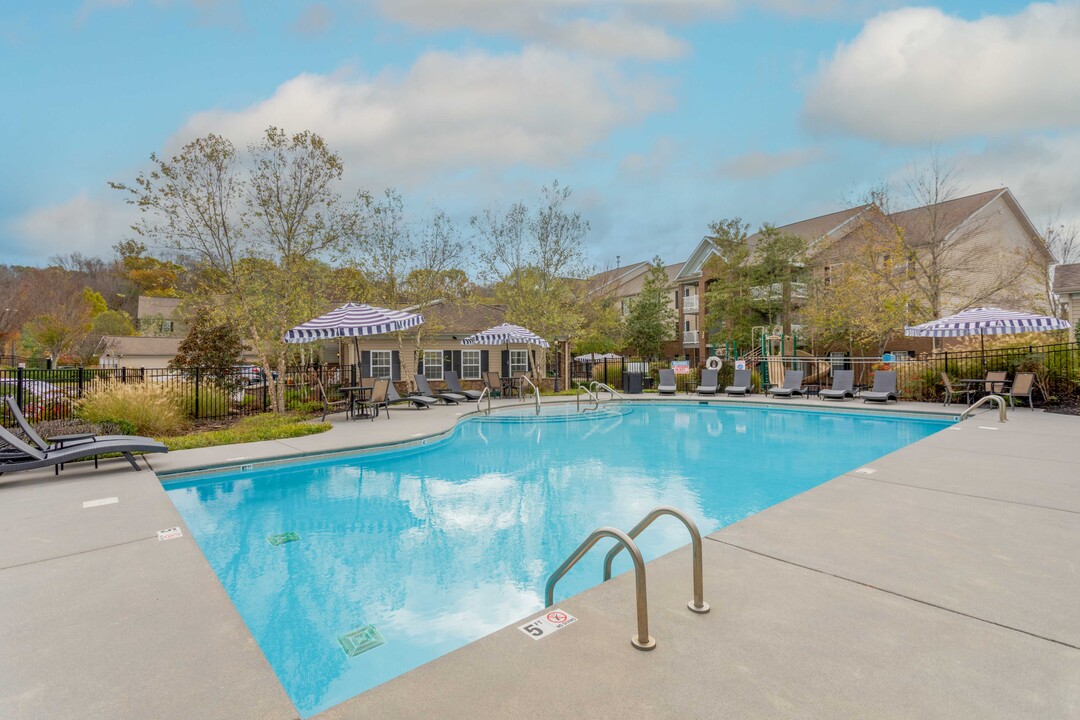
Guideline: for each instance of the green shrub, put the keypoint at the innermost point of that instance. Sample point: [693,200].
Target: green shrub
[149,408]
[270,426]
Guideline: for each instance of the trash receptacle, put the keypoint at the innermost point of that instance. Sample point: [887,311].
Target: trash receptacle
[632,383]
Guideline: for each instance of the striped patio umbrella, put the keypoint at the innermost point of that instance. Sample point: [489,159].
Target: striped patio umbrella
[505,334]
[352,320]
[986,321]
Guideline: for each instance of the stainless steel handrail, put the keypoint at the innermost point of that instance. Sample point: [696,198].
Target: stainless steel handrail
[996,399]
[604,386]
[642,641]
[595,399]
[698,604]
[536,392]
[486,391]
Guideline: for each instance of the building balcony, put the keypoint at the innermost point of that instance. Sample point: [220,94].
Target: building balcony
[690,338]
[690,303]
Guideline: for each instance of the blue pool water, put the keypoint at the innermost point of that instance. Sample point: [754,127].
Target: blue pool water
[439,545]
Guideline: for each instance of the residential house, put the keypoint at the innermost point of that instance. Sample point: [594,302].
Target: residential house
[994,229]
[1067,287]
[160,317]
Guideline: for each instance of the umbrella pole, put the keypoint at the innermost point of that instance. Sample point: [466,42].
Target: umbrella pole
[982,349]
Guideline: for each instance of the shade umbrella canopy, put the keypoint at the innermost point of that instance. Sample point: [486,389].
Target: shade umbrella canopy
[986,321]
[352,320]
[589,357]
[506,334]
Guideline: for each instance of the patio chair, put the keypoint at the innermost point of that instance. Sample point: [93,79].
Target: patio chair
[843,382]
[742,385]
[379,398]
[792,385]
[951,392]
[667,382]
[493,382]
[452,382]
[60,441]
[420,402]
[1023,386]
[709,382]
[996,380]
[447,397]
[19,455]
[884,388]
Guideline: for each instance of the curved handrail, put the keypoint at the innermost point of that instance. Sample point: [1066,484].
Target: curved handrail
[698,604]
[642,641]
[536,391]
[595,399]
[996,399]
[486,391]
[614,393]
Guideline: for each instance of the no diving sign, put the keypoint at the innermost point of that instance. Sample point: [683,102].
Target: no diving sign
[547,623]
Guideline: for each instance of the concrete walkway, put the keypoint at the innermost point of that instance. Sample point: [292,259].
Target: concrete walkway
[941,585]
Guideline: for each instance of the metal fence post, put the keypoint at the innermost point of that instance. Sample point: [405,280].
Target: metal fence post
[123,374]
[265,389]
[197,393]
[19,386]
[79,381]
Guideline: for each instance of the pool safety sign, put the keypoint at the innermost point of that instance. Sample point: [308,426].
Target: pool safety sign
[169,534]
[681,367]
[547,623]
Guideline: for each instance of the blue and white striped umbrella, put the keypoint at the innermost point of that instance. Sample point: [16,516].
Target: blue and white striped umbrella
[352,320]
[505,334]
[986,321]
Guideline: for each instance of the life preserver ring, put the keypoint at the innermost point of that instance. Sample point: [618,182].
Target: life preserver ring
[713,363]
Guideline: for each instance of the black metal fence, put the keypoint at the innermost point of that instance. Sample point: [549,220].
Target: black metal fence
[54,394]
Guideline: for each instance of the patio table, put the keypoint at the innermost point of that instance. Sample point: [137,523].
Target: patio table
[357,396]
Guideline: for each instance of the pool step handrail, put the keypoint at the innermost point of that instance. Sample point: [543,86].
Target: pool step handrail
[697,604]
[485,392]
[536,391]
[642,641]
[592,396]
[604,386]
[996,399]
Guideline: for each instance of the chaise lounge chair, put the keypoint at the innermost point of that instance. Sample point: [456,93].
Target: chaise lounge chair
[743,384]
[19,455]
[843,383]
[447,397]
[709,382]
[884,388]
[67,440]
[454,384]
[667,382]
[420,402]
[792,385]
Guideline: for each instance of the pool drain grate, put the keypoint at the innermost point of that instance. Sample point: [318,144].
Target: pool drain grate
[282,538]
[361,640]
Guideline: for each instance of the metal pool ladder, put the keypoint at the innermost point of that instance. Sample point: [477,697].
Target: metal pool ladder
[642,640]
[995,399]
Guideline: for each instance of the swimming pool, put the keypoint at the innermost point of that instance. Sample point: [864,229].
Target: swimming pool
[425,549]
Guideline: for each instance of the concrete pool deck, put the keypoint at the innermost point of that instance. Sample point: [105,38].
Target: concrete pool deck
[942,584]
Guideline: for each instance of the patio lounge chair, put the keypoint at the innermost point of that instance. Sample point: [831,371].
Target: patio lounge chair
[742,385]
[667,382]
[843,382]
[792,385]
[493,382]
[884,388]
[709,382]
[951,392]
[1023,386]
[454,384]
[64,441]
[420,402]
[996,382]
[18,455]
[447,397]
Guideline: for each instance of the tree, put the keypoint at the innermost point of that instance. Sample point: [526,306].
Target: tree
[59,311]
[209,345]
[149,275]
[256,225]
[777,264]
[651,319]
[729,284]
[1063,241]
[532,260]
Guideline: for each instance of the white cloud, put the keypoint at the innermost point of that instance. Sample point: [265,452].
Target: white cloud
[450,112]
[918,75]
[84,224]
[755,165]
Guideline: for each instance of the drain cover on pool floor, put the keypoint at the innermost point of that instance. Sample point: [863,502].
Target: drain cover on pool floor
[360,641]
[283,538]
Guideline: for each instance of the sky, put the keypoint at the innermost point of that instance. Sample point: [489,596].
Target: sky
[662,116]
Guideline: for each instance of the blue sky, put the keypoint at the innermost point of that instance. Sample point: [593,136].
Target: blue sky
[662,115]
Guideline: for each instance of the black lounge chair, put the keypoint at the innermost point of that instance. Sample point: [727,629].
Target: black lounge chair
[709,382]
[447,397]
[742,385]
[420,402]
[792,385]
[454,384]
[843,384]
[65,440]
[667,382]
[18,455]
[884,388]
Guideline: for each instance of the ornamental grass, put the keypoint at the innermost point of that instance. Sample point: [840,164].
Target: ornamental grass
[154,409]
